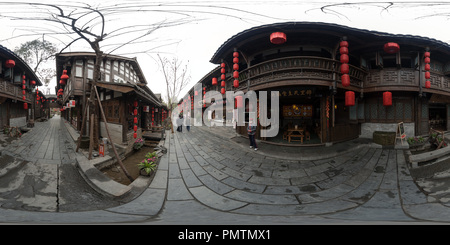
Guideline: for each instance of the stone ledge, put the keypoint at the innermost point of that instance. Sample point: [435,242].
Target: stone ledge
[428,156]
[97,180]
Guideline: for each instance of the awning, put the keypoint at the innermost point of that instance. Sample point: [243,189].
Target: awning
[439,98]
[127,88]
[119,88]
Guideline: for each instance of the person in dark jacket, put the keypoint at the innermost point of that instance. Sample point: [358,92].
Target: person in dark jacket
[251,135]
[180,123]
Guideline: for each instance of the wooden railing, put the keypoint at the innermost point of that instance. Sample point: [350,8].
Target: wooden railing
[13,91]
[315,70]
[298,67]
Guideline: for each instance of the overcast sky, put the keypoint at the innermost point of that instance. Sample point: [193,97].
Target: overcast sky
[213,22]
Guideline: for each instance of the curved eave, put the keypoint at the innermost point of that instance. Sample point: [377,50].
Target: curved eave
[258,37]
[21,64]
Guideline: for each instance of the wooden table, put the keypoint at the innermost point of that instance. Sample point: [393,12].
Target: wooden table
[294,133]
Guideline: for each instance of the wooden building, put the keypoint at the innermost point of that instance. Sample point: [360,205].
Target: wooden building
[18,84]
[319,67]
[122,88]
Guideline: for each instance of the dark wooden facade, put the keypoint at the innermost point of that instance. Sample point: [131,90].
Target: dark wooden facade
[12,112]
[310,59]
[121,84]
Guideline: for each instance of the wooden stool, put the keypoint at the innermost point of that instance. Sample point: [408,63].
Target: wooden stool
[285,136]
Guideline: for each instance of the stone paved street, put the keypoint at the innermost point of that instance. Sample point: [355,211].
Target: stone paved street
[210,176]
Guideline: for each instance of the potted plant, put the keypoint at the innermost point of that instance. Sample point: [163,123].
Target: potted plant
[138,144]
[147,166]
[416,141]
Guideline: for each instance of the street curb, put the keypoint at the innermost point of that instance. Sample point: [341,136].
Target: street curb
[99,181]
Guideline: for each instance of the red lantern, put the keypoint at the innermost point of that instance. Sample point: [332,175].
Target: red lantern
[214,81]
[345,80]
[23,92]
[236,83]
[135,112]
[345,68]
[135,103]
[24,87]
[387,98]
[426,54]
[135,135]
[222,65]
[235,60]
[391,48]
[343,50]
[135,120]
[64,76]
[222,70]
[349,98]
[236,66]
[278,38]
[427,84]
[427,75]
[222,90]
[427,67]
[24,97]
[222,83]
[10,63]
[135,128]
[239,102]
[343,44]
[344,58]
[235,54]
[427,59]
[222,77]
[25,106]
[236,74]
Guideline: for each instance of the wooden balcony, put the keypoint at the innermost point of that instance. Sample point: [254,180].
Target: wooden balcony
[12,91]
[304,70]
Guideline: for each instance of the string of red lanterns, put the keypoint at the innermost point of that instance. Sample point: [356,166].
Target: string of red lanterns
[25,104]
[344,58]
[37,96]
[135,112]
[204,92]
[222,77]
[427,69]
[236,69]
[345,69]
[153,116]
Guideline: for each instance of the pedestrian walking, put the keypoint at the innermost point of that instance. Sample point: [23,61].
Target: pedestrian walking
[180,123]
[251,135]
[187,122]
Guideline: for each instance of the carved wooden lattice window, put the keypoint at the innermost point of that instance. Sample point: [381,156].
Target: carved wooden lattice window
[400,111]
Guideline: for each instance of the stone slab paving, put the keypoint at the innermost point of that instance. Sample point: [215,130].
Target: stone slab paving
[233,178]
[209,177]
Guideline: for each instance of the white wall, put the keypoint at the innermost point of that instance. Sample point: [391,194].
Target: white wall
[367,129]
